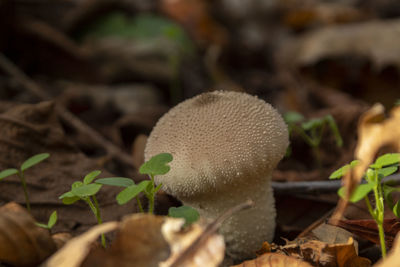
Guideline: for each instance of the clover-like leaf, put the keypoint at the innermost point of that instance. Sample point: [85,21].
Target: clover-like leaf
[157,165]
[188,213]
[385,160]
[343,170]
[116,181]
[76,184]
[359,193]
[131,191]
[34,160]
[68,198]
[7,172]
[91,176]
[387,171]
[86,190]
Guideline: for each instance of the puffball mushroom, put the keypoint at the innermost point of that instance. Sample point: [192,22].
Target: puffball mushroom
[225,146]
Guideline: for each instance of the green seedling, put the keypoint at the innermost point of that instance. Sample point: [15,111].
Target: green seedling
[383,166]
[312,130]
[157,165]
[51,222]
[188,213]
[131,190]
[86,191]
[32,161]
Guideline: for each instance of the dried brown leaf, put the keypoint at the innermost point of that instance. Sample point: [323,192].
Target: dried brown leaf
[76,250]
[22,243]
[147,240]
[274,260]
[325,254]
[376,39]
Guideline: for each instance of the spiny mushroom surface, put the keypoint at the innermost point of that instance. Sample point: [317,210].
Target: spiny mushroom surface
[225,146]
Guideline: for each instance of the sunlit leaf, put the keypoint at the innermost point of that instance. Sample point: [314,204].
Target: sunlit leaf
[359,193]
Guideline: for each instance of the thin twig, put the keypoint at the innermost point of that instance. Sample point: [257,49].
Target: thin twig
[12,70]
[317,187]
[210,229]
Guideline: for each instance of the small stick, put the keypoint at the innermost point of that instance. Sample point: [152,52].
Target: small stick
[317,187]
[12,70]
[210,229]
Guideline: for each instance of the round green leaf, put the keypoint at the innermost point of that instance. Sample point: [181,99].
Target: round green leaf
[387,159]
[157,165]
[359,193]
[86,190]
[116,181]
[76,184]
[90,176]
[387,171]
[7,172]
[188,213]
[34,160]
[131,191]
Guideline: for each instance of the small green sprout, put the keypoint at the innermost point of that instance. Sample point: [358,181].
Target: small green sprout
[157,165]
[383,166]
[51,222]
[32,161]
[188,213]
[86,191]
[312,130]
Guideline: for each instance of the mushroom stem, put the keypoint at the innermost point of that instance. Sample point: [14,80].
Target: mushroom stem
[260,218]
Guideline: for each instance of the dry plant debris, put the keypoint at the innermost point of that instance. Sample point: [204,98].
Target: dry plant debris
[141,240]
[22,243]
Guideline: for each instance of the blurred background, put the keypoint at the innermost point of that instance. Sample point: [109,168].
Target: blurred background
[119,65]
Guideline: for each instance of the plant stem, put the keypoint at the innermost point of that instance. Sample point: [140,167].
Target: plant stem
[379,207]
[139,204]
[22,177]
[96,210]
[151,195]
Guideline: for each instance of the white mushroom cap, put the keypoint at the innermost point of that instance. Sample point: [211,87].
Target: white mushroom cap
[225,146]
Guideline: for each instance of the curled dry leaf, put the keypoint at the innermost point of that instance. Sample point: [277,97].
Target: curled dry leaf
[374,39]
[22,243]
[324,254]
[76,250]
[274,260]
[147,240]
